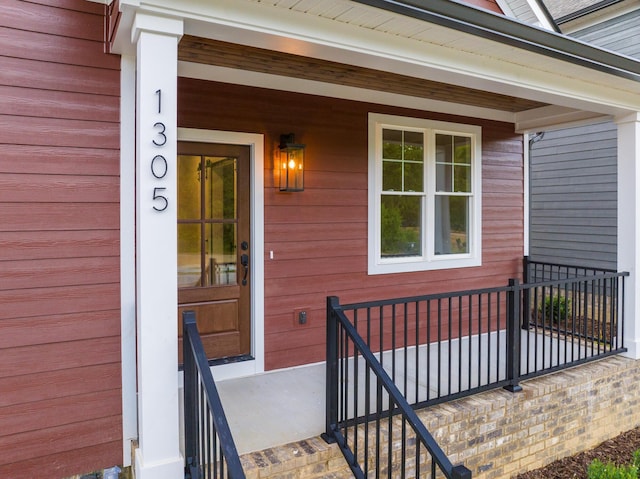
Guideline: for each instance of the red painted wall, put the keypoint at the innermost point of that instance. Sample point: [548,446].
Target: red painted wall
[60,381]
[319,236]
[486,4]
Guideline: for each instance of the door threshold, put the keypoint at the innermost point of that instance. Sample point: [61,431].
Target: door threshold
[231,360]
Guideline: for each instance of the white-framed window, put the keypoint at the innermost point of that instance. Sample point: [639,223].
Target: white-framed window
[425,193]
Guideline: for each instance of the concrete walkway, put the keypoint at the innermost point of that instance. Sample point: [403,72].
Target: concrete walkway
[285,406]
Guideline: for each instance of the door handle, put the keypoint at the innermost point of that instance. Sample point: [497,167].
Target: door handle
[244,261]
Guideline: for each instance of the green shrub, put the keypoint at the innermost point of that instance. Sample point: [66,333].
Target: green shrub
[599,470]
[556,308]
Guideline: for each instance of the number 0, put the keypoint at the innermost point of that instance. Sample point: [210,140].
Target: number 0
[159,166]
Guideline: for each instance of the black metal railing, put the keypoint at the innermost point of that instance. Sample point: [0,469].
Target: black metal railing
[210,451]
[379,433]
[439,347]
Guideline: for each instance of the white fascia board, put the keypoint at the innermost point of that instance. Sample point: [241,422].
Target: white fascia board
[265,26]
[554,118]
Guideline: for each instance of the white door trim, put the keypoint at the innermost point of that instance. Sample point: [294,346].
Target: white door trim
[256,143]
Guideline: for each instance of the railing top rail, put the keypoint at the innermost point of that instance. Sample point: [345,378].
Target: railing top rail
[226,443]
[567,281]
[473,292]
[570,266]
[397,398]
[426,297]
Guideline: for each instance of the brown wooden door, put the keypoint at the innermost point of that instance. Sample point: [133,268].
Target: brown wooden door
[214,253]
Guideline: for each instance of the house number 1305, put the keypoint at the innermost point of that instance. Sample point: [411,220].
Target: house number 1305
[159,165]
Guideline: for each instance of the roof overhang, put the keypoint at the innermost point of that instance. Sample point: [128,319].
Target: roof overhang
[437,41]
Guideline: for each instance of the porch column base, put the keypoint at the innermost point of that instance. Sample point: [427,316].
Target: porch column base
[169,469]
[633,348]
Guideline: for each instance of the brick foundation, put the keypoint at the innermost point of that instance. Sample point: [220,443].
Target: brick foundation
[498,434]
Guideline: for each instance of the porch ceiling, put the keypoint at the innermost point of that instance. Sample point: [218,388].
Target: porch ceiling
[435,55]
[223,54]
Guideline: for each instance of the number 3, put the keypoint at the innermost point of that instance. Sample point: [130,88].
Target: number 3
[161,134]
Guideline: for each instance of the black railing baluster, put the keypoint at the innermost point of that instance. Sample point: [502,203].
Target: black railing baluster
[556,313]
[209,448]
[513,336]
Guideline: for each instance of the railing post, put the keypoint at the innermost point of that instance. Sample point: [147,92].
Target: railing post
[331,415]
[190,383]
[526,302]
[460,472]
[513,336]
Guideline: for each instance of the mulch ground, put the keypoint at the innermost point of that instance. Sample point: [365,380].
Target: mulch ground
[618,450]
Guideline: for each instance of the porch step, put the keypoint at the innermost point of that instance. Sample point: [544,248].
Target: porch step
[309,459]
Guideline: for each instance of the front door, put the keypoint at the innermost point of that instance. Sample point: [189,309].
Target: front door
[214,250]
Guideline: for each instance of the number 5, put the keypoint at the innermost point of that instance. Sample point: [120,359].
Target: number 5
[162,198]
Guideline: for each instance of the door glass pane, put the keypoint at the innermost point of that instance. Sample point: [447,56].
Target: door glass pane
[452,225]
[188,187]
[220,243]
[189,257]
[401,228]
[220,187]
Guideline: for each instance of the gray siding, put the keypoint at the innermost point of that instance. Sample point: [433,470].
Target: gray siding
[573,196]
[573,178]
[620,34]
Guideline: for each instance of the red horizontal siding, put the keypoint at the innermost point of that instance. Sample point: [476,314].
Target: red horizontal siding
[54,48]
[486,4]
[47,19]
[59,132]
[58,328]
[31,102]
[59,384]
[66,463]
[22,447]
[60,406]
[30,245]
[27,73]
[71,160]
[319,237]
[58,216]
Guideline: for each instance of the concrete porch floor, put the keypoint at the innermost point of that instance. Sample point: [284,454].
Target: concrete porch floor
[284,406]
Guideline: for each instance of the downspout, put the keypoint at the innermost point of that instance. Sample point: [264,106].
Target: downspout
[530,141]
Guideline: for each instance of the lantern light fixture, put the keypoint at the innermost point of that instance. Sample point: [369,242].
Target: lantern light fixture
[291,163]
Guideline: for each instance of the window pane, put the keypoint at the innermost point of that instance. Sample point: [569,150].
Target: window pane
[414,146]
[444,147]
[401,226]
[462,175]
[220,241]
[189,257]
[452,225]
[413,177]
[220,186]
[391,144]
[188,187]
[463,149]
[444,175]
[392,176]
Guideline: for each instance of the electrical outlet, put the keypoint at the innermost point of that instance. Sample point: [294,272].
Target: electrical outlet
[301,316]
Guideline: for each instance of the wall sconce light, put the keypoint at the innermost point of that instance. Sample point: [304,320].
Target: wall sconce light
[291,164]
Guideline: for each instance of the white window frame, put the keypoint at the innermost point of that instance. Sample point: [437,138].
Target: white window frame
[428,260]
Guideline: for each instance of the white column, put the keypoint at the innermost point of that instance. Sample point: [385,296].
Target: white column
[156,40]
[629,225]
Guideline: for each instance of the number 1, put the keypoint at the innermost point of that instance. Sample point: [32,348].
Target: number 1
[159,93]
